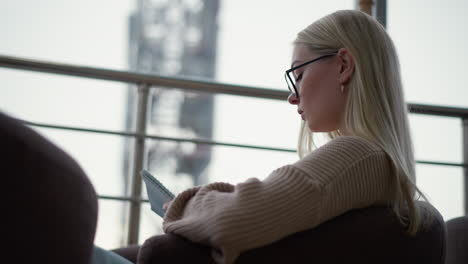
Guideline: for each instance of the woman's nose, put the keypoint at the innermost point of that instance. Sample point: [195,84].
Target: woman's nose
[293,99]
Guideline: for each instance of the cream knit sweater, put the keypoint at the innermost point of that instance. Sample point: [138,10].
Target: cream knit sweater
[346,173]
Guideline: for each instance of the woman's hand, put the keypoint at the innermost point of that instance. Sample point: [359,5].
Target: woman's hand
[166,205]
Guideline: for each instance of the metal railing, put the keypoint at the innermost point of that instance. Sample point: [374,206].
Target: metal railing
[145,81]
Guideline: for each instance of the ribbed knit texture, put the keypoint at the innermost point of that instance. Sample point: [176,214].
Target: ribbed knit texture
[346,173]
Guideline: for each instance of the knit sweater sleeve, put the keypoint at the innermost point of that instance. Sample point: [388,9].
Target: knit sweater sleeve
[353,173]
[346,173]
[248,215]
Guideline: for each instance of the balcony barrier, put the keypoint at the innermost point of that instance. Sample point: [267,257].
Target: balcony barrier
[144,82]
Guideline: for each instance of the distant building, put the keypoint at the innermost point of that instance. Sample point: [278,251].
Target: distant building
[175,38]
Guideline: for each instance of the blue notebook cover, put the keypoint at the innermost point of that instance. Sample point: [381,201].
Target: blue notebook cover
[158,194]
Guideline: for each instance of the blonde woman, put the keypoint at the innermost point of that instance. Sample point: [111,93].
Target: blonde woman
[344,80]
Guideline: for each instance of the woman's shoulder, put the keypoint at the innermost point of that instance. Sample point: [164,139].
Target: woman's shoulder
[339,154]
[346,148]
[356,144]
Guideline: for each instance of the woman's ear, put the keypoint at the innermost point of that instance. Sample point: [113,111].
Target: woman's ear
[347,65]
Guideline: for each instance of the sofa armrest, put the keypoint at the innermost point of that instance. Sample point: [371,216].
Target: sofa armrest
[170,248]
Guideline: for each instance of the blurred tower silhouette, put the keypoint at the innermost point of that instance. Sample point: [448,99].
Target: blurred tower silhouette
[175,38]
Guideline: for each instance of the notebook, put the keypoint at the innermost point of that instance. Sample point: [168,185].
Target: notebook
[158,194]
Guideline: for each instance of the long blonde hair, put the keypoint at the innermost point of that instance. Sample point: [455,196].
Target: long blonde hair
[375,108]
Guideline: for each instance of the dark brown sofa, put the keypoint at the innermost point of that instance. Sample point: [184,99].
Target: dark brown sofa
[50,217]
[49,210]
[370,235]
[457,243]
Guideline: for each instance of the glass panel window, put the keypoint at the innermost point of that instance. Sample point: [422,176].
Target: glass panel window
[255,37]
[92,33]
[432,49]
[150,223]
[443,187]
[112,219]
[63,100]
[437,138]
[100,157]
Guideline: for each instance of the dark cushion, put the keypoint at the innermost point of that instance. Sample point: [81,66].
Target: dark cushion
[370,235]
[128,252]
[50,207]
[457,242]
[169,248]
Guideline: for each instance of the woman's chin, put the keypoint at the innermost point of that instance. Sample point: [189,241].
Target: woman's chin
[312,127]
[318,129]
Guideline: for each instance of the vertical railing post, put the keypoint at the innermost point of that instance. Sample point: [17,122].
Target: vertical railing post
[380,12]
[138,159]
[375,8]
[465,161]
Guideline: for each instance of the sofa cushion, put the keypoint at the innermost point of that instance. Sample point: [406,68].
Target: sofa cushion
[49,210]
[369,235]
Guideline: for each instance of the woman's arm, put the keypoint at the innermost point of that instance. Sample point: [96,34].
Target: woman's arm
[346,173]
[251,214]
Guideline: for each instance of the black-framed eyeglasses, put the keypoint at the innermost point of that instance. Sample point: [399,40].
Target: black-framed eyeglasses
[291,79]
